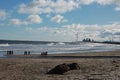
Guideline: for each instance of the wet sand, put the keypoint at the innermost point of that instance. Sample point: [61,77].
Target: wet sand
[36,68]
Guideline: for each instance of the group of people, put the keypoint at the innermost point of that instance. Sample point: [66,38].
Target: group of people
[44,53]
[26,53]
[10,52]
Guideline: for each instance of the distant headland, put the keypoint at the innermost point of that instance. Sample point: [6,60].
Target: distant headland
[93,41]
[24,42]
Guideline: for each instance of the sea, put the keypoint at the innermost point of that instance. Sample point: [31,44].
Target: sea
[57,48]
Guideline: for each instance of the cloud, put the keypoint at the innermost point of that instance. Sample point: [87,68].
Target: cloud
[117,8]
[117,33]
[3,14]
[96,32]
[67,30]
[110,31]
[48,6]
[15,22]
[105,2]
[60,6]
[33,19]
[102,2]
[86,2]
[58,19]
[110,2]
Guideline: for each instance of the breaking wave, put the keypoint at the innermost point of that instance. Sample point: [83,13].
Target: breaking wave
[4,44]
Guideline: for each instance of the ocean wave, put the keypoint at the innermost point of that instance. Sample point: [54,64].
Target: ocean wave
[51,44]
[4,44]
[61,43]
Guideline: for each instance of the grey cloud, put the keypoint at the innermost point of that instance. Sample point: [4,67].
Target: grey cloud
[3,14]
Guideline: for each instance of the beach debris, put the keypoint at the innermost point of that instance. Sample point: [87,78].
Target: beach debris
[74,66]
[62,68]
[59,69]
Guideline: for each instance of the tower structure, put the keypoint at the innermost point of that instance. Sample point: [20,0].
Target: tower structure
[77,36]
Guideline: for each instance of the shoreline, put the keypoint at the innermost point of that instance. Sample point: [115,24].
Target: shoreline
[103,54]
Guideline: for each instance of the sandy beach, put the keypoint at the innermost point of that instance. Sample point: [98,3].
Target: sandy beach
[36,68]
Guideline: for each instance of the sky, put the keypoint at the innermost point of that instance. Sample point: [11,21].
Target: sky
[60,20]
